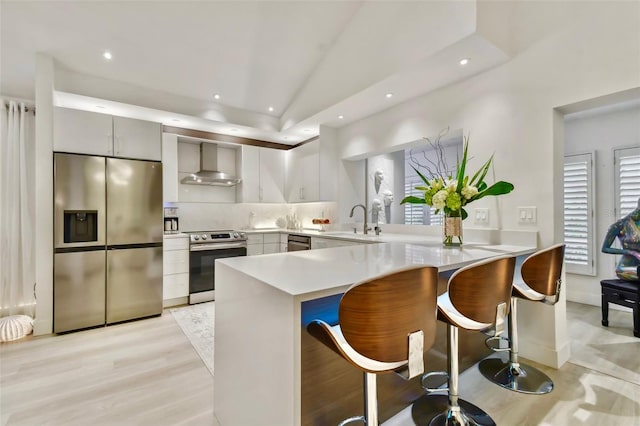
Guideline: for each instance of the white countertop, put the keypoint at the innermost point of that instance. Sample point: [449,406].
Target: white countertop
[303,272]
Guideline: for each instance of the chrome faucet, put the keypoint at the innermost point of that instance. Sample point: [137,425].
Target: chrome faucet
[365,229]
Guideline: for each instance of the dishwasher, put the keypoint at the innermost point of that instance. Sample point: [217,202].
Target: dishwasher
[298,242]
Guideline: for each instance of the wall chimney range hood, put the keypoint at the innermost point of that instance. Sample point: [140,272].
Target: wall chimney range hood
[208,173]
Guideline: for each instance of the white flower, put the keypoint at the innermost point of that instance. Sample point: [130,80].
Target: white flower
[440,199]
[436,183]
[452,185]
[469,191]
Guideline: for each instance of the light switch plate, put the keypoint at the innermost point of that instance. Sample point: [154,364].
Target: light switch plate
[481,216]
[527,215]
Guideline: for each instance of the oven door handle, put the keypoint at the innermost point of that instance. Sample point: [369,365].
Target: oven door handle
[217,246]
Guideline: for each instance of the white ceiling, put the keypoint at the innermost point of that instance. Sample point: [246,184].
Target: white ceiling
[311,61]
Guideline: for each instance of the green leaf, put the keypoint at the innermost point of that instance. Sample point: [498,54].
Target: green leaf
[422,188]
[498,188]
[482,172]
[462,166]
[464,214]
[413,200]
[424,179]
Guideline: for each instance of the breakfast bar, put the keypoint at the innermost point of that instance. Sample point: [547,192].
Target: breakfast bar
[270,371]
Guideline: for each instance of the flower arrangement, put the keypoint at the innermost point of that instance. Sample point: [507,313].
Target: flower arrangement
[451,193]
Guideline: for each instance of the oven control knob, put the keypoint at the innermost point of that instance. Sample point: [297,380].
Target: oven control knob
[204,237]
[243,235]
[235,235]
[196,237]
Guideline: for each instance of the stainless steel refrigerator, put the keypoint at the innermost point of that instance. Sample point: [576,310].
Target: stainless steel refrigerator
[108,227]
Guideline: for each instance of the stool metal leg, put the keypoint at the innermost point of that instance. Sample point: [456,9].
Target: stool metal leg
[370,417]
[370,399]
[450,410]
[514,375]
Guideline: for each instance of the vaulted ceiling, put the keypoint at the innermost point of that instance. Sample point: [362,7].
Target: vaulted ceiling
[281,68]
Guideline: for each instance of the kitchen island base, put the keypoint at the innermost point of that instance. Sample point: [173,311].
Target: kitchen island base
[270,371]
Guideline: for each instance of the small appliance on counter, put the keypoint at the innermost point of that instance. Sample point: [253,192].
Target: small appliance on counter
[171,220]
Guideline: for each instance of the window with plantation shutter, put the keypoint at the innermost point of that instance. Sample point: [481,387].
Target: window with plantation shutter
[578,214]
[627,180]
[418,214]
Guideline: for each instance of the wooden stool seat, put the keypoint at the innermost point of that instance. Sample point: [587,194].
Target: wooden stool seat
[386,324]
[623,293]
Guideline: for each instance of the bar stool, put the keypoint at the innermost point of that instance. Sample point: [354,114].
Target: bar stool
[541,273]
[476,299]
[385,325]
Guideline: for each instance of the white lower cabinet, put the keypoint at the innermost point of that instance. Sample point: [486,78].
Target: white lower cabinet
[175,280]
[271,243]
[264,244]
[254,244]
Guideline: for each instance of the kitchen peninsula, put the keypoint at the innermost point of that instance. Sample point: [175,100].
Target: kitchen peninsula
[269,371]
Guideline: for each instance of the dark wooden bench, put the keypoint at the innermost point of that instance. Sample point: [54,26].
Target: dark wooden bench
[622,293]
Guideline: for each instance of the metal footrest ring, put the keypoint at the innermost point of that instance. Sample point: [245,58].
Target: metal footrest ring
[488,343]
[353,420]
[426,377]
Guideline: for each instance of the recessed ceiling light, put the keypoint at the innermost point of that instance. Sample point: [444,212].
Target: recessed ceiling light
[100,107]
[234,129]
[107,55]
[340,117]
[175,119]
[464,61]
[307,130]
[216,96]
[270,109]
[388,95]
[285,137]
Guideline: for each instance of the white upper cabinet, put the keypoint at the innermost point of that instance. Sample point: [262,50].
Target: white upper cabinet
[169,167]
[137,139]
[82,132]
[87,132]
[271,175]
[303,173]
[262,175]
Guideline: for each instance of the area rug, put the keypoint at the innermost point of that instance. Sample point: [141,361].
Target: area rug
[196,321]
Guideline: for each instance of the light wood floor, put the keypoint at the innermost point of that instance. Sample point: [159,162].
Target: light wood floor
[147,373]
[139,373]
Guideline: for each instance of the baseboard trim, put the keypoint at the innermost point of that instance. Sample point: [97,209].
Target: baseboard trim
[42,327]
[167,303]
[543,354]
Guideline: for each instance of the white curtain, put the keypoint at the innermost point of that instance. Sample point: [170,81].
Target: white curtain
[17,195]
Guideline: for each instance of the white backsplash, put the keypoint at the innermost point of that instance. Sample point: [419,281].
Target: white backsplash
[218,216]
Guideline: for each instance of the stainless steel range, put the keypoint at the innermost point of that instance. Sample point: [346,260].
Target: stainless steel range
[204,248]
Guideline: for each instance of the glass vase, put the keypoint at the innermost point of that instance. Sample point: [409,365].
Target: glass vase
[452,229]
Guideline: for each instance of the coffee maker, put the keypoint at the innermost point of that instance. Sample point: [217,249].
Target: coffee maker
[171,220]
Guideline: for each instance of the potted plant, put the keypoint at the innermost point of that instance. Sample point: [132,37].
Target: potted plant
[451,194]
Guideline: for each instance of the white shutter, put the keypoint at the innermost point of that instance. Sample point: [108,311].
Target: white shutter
[418,214]
[627,169]
[578,214]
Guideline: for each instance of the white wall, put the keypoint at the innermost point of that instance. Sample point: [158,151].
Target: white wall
[600,131]
[45,74]
[509,111]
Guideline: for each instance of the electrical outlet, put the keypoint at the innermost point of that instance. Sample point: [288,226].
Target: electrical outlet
[481,216]
[527,215]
